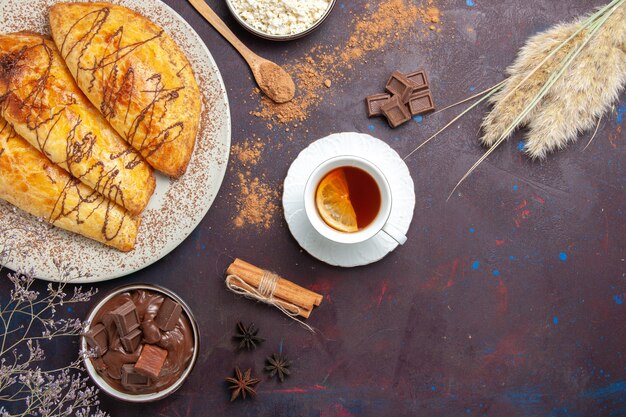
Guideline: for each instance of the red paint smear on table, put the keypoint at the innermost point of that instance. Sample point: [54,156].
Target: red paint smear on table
[522,214]
[539,199]
[509,349]
[383,291]
[336,410]
[301,390]
[445,275]
[500,242]
[503,297]
[613,138]
[322,286]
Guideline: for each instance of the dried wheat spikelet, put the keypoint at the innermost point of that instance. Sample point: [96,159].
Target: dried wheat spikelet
[587,89]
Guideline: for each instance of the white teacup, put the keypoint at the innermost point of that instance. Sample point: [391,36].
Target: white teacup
[379,224]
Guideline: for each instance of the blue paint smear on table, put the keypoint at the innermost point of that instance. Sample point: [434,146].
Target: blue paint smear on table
[555,320]
[529,396]
[563,256]
[470,3]
[520,146]
[621,111]
[475,265]
[619,300]
[371,128]
[496,273]
[419,119]
[618,387]
[472,230]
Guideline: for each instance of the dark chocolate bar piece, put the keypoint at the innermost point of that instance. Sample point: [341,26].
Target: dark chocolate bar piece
[396,112]
[131,340]
[168,315]
[420,79]
[375,102]
[111,328]
[97,339]
[399,85]
[421,102]
[133,379]
[126,318]
[151,361]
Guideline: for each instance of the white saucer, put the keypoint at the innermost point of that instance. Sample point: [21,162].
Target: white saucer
[385,158]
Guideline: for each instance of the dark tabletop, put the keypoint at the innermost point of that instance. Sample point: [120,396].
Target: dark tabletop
[508,300]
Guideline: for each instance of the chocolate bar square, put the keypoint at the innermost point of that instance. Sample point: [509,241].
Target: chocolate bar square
[111,328]
[133,379]
[168,315]
[151,361]
[97,339]
[421,102]
[396,112]
[399,85]
[419,78]
[126,318]
[375,102]
[131,340]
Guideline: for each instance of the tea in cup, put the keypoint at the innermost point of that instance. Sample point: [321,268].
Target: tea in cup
[348,200]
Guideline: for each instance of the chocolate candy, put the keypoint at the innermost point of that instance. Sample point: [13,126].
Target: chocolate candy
[168,315]
[396,112]
[375,102]
[133,379]
[399,85]
[97,339]
[126,318]
[411,96]
[151,361]
[111,327]
[421,102]
[131,340]
[420,80]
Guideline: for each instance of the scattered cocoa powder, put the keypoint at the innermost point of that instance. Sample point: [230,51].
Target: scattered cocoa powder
[376,28]
[257,203]
[248,152]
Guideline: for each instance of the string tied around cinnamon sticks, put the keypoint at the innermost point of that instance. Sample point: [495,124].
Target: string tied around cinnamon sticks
[269,288]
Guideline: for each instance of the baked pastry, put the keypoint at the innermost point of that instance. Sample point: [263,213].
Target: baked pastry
[136,75]
[40,99]
[31,182]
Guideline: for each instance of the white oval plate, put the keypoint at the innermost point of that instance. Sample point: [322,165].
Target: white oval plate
[364,146]
[177,206]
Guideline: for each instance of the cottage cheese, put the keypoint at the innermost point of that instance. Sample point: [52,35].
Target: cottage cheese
[281,17]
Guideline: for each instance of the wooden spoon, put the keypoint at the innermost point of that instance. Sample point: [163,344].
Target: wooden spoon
[271,78]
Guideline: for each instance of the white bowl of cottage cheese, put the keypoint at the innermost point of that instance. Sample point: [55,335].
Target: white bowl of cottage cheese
[280,20]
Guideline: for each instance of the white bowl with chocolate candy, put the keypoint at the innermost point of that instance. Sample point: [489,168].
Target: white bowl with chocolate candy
[141,343]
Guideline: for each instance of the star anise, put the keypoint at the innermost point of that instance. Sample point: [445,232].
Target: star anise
[278,364]
[247,336]
[242,384]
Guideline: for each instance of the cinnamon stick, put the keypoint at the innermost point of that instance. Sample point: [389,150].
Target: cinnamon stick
[285,289]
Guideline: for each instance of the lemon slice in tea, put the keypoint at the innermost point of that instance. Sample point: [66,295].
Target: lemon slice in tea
[333,202]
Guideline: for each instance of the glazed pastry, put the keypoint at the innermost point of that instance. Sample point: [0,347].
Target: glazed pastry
[31,182]
[40,99]
[136,75]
